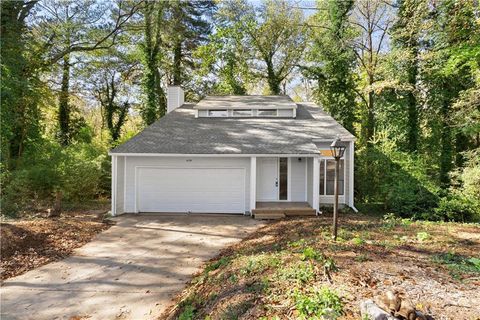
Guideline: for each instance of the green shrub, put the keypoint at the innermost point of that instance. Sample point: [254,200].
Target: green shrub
[311,253]
[318,303]
[77,171]
[399,180]
[458,207]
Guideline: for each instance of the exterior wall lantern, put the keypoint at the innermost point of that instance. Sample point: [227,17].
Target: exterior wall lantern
[338,149]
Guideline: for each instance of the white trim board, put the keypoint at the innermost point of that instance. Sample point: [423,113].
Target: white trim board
[214,155]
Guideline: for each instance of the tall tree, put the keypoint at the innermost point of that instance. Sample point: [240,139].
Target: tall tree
[188,28]
[275,33]
[405,34]
[372,18]
[330,60]
[20,82]
[452,38]
[113,78]
[151,47]
[226,54]
[70,27]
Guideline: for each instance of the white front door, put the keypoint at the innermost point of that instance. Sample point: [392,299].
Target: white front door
[267,179]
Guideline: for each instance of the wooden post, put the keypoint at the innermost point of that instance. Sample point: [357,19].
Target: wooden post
[335,204]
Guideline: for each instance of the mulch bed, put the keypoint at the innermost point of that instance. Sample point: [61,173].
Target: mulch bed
[29,244]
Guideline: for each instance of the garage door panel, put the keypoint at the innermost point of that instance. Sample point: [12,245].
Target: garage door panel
[217,190]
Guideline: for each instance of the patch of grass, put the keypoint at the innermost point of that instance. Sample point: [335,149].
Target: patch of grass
[259,263]
[458,264]
[188,313]
[233,279]
[358,241]
[223,261]
[362,257]
[423,236]
[297,243]
[233,312]
[315,303]
[189,307]
[300,272]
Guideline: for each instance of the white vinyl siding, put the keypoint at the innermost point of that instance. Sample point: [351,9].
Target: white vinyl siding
[310,181]
[298,182]
[120,185]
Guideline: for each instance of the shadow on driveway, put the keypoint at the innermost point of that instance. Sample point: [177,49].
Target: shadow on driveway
[130,271]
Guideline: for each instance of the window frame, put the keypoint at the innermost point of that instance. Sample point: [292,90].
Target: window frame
[242,115]
[259,111]
[341,192]
[217,110]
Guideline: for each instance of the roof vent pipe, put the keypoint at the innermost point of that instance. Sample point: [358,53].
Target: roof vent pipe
[175,98]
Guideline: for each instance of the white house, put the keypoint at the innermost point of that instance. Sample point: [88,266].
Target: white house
[230,154]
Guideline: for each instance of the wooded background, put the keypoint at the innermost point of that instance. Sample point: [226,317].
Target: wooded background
[79,77]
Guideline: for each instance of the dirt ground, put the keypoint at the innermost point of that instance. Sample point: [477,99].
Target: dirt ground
[277,272]
[29,243]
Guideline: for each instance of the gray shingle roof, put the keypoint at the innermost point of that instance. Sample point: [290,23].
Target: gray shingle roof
[179,132]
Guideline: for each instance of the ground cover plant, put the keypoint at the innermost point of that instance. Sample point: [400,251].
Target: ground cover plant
[291,269]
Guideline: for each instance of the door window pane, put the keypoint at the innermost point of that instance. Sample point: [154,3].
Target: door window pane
[330,178]
[283,192]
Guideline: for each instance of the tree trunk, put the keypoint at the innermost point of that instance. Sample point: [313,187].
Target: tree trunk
[177,63]
[57,207]
[446,151]
[273,81]
[370,121]
[63,104]
[413,126]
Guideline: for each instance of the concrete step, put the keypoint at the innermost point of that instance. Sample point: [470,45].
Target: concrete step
[299,212]
[268,215]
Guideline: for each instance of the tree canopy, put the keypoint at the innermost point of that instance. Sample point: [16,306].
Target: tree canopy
[79,77]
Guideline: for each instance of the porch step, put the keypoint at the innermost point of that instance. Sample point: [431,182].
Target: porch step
[268,215]
[299,212]
[282,213]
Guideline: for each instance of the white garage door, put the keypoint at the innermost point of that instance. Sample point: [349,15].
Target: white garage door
[216,190]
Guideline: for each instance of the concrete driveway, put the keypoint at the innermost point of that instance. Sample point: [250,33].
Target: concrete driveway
[130,271]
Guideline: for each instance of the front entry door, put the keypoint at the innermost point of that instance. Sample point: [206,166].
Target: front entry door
[267,179]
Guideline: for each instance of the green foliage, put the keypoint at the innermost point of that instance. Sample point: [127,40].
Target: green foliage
[458,207]
[331,63]
[300,272]
[223,261]
[318,304]
[399,180]
[188,313]
[457,263]
[258,263]
[423,236]
[76,171]
[311,253]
